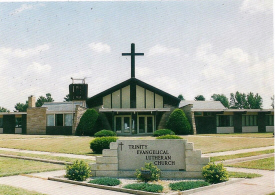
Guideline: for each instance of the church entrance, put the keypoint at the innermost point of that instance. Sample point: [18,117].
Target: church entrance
[145,124]
[123,124]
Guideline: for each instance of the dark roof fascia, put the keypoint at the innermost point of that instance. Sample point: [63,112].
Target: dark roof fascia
[138,82]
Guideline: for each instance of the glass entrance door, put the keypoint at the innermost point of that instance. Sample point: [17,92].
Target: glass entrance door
[145,124]
[122,124]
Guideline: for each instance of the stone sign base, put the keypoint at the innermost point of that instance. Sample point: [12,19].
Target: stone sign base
[112,161]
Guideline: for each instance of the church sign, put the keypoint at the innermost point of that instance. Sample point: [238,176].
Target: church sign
[162,153]
[175,158]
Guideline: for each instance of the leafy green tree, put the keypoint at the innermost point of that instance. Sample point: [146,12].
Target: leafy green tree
[199,98]
[67,98]
[179,123]
[40,101]
[21,107]
[243,101]
[87,123]
[2,109]
[222,98]
[180,96]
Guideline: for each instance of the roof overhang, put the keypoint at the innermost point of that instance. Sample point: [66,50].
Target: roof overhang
[134,109]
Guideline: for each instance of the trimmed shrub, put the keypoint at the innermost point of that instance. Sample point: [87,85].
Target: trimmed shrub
[105,133]
[107,181]
[215,173]
[100,143]
[154,170]
[87,123]
[179,123]
[145,187]
[78,171]
[161,132]
[169,137]
[187,185]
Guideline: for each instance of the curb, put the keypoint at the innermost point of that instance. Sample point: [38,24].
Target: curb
[36,159]
[144,192]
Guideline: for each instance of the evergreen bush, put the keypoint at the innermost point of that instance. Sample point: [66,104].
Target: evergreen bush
[154,170]
[100,143]
[87,123]
[107,181]
[187,185]
[215,173]
[161,132]
[105,133]
[179,123]
[169,137]
[145,187]
[78,171]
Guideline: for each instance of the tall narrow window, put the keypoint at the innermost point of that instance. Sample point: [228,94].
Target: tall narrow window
[1,122]
[68,119]
[18,122]
[50,119]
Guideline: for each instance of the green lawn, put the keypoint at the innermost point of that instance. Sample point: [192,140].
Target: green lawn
[227,157]
[11,166]
[81,145]
[9,190]
[243,175]
[264,164]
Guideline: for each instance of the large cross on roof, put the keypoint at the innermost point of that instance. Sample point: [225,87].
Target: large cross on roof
[133,54]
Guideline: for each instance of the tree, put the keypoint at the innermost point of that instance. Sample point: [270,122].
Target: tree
[179,123]
[222,98]
[180,96]
[40,101]
[67,98]
[243,101]
[87,123]
[199,98]
[21,107]
[272,103]
[2,109]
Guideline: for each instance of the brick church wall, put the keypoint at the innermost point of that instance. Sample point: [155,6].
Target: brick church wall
[36,121]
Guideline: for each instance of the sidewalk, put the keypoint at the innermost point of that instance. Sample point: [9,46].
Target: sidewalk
[258,186]
[238,151]
[51,153]
[38,182]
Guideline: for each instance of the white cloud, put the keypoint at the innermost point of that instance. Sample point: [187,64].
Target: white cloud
[25,7]
[100,47]
[24,53]
[159,50]
[236,55]
[256,6]
[39,68]
[144,71]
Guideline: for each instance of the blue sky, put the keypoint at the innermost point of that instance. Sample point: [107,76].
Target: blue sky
[191,47]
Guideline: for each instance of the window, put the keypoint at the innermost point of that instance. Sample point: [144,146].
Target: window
[1,122]
[224,121]
[50,119]
[18,121]
[59,120]
[145,124]
[68,118]
[249,120]
[269,120]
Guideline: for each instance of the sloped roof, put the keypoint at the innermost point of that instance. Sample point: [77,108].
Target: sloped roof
[203,105]
[61,106]
[166,96]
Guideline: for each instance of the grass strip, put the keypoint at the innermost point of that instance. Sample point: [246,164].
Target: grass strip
[107,181]
[241,155]
[187,185]
[5,189]
[253,135]
[11,166]
[243,175]
[145,187]
[44,156]
[263,164]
